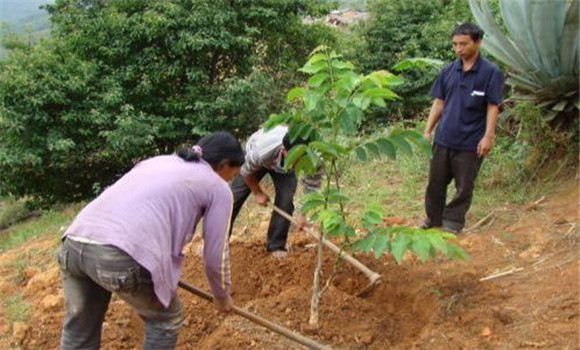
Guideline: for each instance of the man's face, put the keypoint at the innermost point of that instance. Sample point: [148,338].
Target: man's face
[464,46]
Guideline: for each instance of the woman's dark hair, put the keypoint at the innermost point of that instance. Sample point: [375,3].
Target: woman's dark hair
[215,149]
[470,29]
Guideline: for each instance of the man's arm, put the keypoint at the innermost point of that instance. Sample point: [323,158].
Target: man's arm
[254,185]
[434,115]
[486,143]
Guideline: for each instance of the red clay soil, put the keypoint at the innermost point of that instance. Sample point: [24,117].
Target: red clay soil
[438,305]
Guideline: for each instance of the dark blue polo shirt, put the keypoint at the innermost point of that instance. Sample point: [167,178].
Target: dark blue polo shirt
[466,97]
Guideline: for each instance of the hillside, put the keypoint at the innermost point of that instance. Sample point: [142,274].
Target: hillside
[518,291]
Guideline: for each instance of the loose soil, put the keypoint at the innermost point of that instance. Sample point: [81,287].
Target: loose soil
[441,305]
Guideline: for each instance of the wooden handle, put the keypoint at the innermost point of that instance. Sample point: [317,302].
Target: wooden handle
[311,344]
[372,276]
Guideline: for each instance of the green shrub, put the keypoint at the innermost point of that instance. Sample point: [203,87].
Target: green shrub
[122,80]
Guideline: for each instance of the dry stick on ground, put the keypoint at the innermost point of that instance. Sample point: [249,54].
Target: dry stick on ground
[311,344]
[481,222]
[533,205]
[501,274]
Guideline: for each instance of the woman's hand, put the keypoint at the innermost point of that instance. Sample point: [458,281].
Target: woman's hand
[224,305]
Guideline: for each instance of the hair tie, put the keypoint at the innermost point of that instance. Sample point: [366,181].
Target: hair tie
[197,150]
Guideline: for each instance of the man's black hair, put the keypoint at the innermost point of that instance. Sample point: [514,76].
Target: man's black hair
[470,29]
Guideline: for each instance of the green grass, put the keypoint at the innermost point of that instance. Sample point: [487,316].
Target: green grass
[399,185]
[51,222]
[16,309]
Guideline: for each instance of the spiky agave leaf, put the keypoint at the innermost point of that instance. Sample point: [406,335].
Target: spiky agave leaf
[541,49]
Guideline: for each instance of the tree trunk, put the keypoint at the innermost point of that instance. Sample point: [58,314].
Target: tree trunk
[316,284]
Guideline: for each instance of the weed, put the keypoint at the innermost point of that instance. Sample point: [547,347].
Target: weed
[16,309]
[13,211]
[50,222]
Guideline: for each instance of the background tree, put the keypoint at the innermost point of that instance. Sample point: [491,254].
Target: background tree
[124,79]
[397,30]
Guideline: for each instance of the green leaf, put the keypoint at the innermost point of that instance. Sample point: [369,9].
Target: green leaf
[401,144]
[438,243]
[361,154]
[276,119]
[421,246]
[418,63]
[294,131]
[325,148]
[379,102]
[399,246]
[294,155]
[313,157]
[314,68]
[318,79]
[305,166]
[311,205]
[336,197]
[365,244]
[457,253]
[329,219]
[347,82]
[423,145]
[295,93]
[346,123]
[310,101]
[379,246]
[304,132]
[393,80]
[373,148]
[370,219]
[317,57]
[381,92]
[386,147]
[342,65]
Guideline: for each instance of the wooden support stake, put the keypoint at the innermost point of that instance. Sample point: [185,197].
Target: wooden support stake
[371,275]
[311,344]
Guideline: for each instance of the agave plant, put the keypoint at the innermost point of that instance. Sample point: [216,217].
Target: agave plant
[541,50]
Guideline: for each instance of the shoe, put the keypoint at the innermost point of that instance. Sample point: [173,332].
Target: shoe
[425,225]
[451,230]
[279,254]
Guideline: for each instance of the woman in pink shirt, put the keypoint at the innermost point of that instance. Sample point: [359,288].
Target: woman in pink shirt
[129,241]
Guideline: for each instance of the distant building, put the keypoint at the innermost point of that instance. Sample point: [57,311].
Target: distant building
[345,17]
[340,18]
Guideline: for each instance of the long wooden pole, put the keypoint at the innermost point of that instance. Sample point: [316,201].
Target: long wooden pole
[372,276]
[311,344]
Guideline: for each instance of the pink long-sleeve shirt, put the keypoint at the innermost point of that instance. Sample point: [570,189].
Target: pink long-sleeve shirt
[151,213]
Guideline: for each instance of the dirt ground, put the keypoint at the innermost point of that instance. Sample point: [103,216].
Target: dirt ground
[440,305]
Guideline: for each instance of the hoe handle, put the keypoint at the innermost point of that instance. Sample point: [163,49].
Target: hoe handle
[311,344]
[372,276]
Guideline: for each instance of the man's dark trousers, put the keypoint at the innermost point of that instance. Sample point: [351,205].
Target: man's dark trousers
[447,164]
[285,187]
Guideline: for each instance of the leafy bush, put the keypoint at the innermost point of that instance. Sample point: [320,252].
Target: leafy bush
[125,79]
[398,30]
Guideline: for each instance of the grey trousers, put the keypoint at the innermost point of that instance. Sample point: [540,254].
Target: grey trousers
[285,187]
[90,273]
[447,165]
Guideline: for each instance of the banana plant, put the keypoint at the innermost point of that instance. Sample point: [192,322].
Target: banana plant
[328,111]
[541,50]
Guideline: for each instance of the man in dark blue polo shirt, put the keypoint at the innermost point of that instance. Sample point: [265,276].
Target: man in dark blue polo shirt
[467,95]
